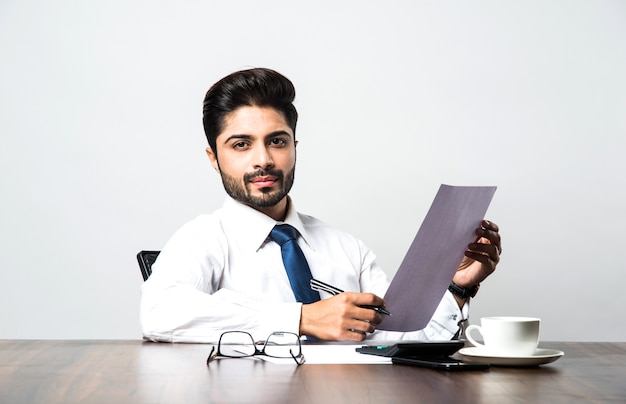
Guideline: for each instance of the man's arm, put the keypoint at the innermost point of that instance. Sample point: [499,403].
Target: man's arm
[340,318]
[185,300]
[481,260]
[176,312]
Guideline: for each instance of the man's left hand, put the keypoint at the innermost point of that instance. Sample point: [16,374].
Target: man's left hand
[481,257]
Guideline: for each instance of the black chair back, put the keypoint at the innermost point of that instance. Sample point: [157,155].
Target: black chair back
[146,259]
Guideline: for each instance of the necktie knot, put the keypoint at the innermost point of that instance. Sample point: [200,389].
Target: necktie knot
[282,233]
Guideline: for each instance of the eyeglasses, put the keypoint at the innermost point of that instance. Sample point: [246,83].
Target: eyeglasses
[240,344]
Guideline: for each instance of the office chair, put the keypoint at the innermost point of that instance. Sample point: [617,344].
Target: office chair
[146,259]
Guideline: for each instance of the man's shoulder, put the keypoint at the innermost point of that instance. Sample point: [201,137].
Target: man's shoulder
[313,222]
[204,219]
[206,223]
[318,226]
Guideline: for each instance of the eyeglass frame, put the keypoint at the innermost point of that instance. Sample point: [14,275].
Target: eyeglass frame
[299,358]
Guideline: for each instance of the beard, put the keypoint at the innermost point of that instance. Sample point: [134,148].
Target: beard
[243,192]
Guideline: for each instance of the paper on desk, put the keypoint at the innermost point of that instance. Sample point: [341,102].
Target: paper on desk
[339,354]
[434,256]
[331,354]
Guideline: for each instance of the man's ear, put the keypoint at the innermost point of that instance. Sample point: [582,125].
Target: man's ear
[213,158]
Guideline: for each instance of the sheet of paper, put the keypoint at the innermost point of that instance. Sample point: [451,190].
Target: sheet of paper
[331,353]
[434,256]
[339,354]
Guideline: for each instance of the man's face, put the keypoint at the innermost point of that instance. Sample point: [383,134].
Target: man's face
[256,157]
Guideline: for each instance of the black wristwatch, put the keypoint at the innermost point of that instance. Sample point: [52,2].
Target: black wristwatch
[463,293]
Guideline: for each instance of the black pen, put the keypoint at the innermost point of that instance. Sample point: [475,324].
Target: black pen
[324,287]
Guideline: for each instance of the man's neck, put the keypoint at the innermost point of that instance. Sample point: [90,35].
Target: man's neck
[277,212]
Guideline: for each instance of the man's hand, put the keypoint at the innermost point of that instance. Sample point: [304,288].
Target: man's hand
[340,318]
[481,257]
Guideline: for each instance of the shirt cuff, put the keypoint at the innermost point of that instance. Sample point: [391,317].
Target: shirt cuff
[448,316]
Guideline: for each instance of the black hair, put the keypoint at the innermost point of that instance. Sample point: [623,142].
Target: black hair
[259,87]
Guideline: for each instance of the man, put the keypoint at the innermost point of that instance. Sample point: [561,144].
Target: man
[224,271]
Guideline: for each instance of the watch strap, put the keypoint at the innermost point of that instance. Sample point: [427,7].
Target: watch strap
[463,293]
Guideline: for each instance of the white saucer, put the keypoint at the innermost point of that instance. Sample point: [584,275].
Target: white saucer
[540,357]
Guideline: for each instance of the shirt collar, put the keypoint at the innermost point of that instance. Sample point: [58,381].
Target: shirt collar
[251,228]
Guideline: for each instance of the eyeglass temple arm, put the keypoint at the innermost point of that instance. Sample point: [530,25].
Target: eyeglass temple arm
[212,355]
[295,358]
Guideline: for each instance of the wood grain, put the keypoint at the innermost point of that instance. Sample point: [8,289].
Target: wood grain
[141,372]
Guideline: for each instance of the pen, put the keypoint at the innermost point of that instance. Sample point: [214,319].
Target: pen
[324,287]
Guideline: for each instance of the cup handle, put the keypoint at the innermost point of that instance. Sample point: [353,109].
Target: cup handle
[469,336]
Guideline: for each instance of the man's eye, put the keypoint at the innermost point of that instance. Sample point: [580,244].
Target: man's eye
[240,145]
[278,142]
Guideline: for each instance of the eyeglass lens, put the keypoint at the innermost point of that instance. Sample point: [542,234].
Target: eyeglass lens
[282,345]
[237,344]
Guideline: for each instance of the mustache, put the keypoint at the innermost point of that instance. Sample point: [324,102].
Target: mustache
[247,177]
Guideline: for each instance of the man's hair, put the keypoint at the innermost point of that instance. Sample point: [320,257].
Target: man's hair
[258,87]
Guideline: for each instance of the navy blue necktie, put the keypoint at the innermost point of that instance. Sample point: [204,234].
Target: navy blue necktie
[296,266]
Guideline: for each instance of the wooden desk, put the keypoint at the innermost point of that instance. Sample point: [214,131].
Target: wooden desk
[138,372]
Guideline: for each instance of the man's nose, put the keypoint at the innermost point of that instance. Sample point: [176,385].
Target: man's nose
[263,158]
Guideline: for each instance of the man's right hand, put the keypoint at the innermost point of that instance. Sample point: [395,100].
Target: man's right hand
[340,318]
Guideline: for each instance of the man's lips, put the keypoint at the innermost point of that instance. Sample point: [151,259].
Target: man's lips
[264,181]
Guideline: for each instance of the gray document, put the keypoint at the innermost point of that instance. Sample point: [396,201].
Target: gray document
[434,256]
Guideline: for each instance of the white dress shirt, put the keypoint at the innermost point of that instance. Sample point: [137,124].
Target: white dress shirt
[221,272]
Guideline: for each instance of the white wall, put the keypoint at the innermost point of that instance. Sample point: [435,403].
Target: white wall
[102,150]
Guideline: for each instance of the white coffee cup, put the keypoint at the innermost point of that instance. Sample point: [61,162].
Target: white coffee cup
[507,336]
